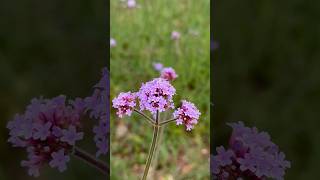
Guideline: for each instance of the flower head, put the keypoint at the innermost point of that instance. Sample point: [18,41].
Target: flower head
[214,45]
[59,160]
[39,130]
[187,114]
[254,156]
[33,164]
[97,105]
[70,136]
[113,42]
[156,95]
[158,66]
[175,35]
[168,74]
[124,103]
[131,3]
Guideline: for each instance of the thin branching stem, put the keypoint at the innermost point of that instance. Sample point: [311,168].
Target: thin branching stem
[91,160]
[167,121]
[153,147]
[150,120]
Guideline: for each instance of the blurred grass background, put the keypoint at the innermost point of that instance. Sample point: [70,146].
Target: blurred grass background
[143,37]
[48,48]
[266,73]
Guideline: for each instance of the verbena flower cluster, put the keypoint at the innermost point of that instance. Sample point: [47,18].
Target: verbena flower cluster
[251,155]
[158,66]
[157,96]
[48,130]
[168,74]
[98,107]
[187,114]
[131,3]
[214,45]
[175,35]
[113,43]
[125,103]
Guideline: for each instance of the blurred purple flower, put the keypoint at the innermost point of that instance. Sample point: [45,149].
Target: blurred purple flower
[71,135]
[97,106]
[102,145]
[131,4]
[187,114]
[59,160]
[41,131]
[168,74]
[158,66]
[113,43]
[214,45]
[33,164]
[57,131]
[37,130]
[156,95]
[253,155]
[175,35]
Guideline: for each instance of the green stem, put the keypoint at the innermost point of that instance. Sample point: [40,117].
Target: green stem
[168,121]
[157,152]
[152,148]
[150,120]
[91,160]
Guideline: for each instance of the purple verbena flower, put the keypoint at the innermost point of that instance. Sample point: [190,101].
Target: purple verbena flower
[124,103]
[33,165]
[156,95]
[255,156]
[224,157]
[102,145]
[168,74]
[214,45]
[113,43]
[59,160]
[175,35]
[97,106]
[71,135]
[187,114]
[39,129]
[158,66]
[131,3]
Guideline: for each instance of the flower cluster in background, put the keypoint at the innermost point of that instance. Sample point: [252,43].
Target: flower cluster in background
[175,35]
[113,43]
[214,45]
[50,128]
[98,107]
[131,3]
[158,66]
[251,155]
[167,73]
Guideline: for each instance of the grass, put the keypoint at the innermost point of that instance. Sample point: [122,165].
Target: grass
[143,37]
